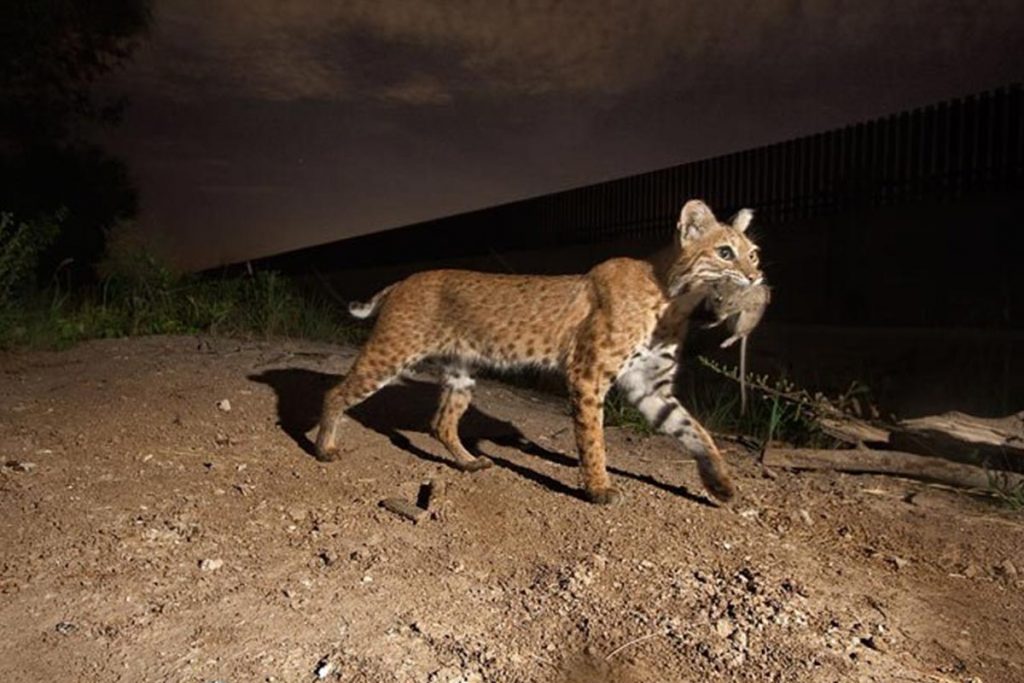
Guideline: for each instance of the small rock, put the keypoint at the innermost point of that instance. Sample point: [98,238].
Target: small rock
[1007,569]
[972,571]
[806,517]
[19,466]
[65,628]
[898,562]
[724,628]
[222,439]
[210,564]
[324,668]
[739,637]
[224,405]
[328,557]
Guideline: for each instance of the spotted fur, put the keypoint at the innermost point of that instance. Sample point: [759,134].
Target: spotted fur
[621,323]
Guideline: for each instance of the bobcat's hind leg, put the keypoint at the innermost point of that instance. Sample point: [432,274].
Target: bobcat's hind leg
[370,371]
[456,393]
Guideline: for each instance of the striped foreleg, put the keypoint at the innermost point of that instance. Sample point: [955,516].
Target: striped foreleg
[647,380]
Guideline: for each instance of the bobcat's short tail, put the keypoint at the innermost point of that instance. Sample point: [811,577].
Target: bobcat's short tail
[361,309]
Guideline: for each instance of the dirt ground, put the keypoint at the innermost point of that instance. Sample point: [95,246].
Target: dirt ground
[149,534]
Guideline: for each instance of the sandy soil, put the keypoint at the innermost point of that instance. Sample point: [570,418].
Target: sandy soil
[147,534]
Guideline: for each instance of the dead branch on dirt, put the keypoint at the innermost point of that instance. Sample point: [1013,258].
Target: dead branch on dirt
[910,465]
[404,508]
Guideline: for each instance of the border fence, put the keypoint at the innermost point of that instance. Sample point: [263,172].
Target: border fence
[940,153]
[944,151]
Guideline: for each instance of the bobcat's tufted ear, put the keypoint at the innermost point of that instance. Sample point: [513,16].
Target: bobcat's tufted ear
[694,219]
[741,221]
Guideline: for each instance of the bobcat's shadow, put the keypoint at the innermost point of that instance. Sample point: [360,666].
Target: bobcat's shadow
[409,406]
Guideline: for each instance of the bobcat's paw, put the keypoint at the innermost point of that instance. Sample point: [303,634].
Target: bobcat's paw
[324,454]
[607,496]
[481,463]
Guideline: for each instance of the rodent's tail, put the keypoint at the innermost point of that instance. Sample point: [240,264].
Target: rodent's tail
[362,310]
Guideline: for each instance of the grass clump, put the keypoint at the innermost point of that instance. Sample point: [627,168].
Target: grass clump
[779,409]
[137,294]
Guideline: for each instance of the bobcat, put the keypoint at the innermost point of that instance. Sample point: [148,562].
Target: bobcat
[622,322]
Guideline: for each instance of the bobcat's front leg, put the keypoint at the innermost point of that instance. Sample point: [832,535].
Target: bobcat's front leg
[647,380]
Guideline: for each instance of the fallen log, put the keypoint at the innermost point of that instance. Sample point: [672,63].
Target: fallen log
[998,442]
[864,461]
[852,430]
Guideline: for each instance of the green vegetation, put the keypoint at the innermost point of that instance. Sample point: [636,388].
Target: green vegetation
[778,411]
[137,294]
[1006,489]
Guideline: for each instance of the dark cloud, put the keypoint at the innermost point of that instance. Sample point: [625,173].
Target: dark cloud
[264,125]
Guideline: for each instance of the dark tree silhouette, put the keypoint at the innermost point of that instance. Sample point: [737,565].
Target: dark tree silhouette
[53,53]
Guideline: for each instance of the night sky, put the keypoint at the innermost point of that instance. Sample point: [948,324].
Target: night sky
[263,125]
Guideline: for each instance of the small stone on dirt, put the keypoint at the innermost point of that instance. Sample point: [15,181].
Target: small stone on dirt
[324,668]
[1007,569]
[898,562]
[740,639]
[19,466]
[65,628]
[724,628]
[210,564]
[224,405]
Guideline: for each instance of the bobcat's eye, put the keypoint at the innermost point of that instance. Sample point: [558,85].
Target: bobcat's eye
[726,253]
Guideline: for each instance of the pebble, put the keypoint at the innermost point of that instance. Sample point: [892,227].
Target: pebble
[66,628]
[1008,569]
[224,405]
[324,668]
[898,562]
[210,564]
[724,628]
[739,637]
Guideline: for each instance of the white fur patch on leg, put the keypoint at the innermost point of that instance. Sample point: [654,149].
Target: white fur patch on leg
[459,379]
